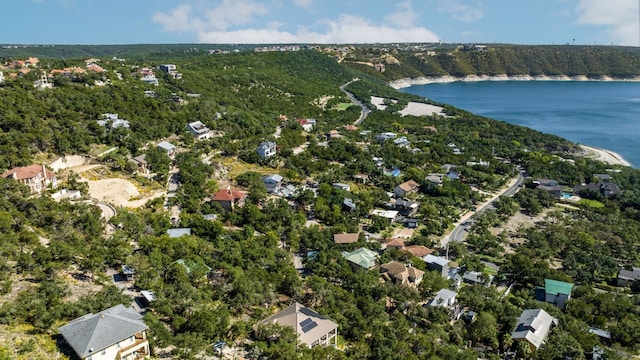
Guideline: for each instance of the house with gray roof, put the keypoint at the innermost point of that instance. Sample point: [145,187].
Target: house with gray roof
[168,147]
[444,298]
[311,328]
[266,149]
[533,326]
[115,333]
[198,130]
[437,263]
[626,277]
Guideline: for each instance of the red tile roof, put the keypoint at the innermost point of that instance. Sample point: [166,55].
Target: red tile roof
[228,195]
[28,172]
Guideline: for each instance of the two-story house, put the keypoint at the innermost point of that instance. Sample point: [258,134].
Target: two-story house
[311,328]
[199,130]
[36,177]
[266,149]
[115,333]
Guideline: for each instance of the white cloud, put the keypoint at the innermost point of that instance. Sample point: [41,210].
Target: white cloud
[346,29]
[461,10]
[620,21]
[236,22]
[404,16]
[186,17]
[303,4]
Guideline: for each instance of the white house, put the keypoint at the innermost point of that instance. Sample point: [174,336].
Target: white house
[115,333]
[199,130]
[266,149]
[533,326]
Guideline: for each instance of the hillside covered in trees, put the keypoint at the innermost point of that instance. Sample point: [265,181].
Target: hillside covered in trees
[257,243]
[491,60]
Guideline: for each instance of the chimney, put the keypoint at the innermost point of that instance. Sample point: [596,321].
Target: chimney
[44,172]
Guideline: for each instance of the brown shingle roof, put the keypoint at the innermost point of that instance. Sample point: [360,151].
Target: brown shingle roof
[418,250]
[346,238]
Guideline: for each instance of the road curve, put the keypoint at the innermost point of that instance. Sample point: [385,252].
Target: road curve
[365,110]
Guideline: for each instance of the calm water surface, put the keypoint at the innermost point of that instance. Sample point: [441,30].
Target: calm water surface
[600,114]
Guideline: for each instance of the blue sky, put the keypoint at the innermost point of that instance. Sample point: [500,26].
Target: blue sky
[589,22]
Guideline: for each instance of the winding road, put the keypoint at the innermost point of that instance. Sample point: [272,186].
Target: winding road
[365,110]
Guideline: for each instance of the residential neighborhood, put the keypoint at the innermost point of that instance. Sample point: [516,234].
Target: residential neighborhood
[206,208]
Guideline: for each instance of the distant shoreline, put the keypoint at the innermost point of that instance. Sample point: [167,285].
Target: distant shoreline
[406,82]
[603,155]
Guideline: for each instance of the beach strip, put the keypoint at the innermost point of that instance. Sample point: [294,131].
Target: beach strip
[606,156]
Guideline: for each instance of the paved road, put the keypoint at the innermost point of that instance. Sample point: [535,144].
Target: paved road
[365,110]
[457,234]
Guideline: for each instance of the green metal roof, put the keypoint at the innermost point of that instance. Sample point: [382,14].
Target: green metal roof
[557,287]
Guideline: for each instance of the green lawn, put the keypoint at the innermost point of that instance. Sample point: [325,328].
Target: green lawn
[342,106]
[592,203]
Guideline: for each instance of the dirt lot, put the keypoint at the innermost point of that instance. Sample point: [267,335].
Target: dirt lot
[119,192]
[515,222]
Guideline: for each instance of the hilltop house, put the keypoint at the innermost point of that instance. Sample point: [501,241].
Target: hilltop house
[115,333]
[229,198]
[533,326]
[111,121]
[311,328]
[169,148]
[266,149]
[361,259]
[170,69]
[400,274]
[199,130]
[36,177]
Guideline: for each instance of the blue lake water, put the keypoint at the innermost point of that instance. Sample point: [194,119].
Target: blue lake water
[603,114]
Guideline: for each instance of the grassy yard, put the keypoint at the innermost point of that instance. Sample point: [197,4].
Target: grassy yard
[591,203]
[342,106]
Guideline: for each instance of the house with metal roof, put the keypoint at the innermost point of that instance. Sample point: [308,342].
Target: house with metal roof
[444,298]
[533,326]
[626,277]
[168,147]
[361,258]
[178,232]
[115,333]
[557,292]
[437,263]
[312,328]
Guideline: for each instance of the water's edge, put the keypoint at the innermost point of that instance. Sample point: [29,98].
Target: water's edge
[406,82]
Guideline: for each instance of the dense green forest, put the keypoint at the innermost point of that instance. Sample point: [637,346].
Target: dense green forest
[55,254]
[591,61]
